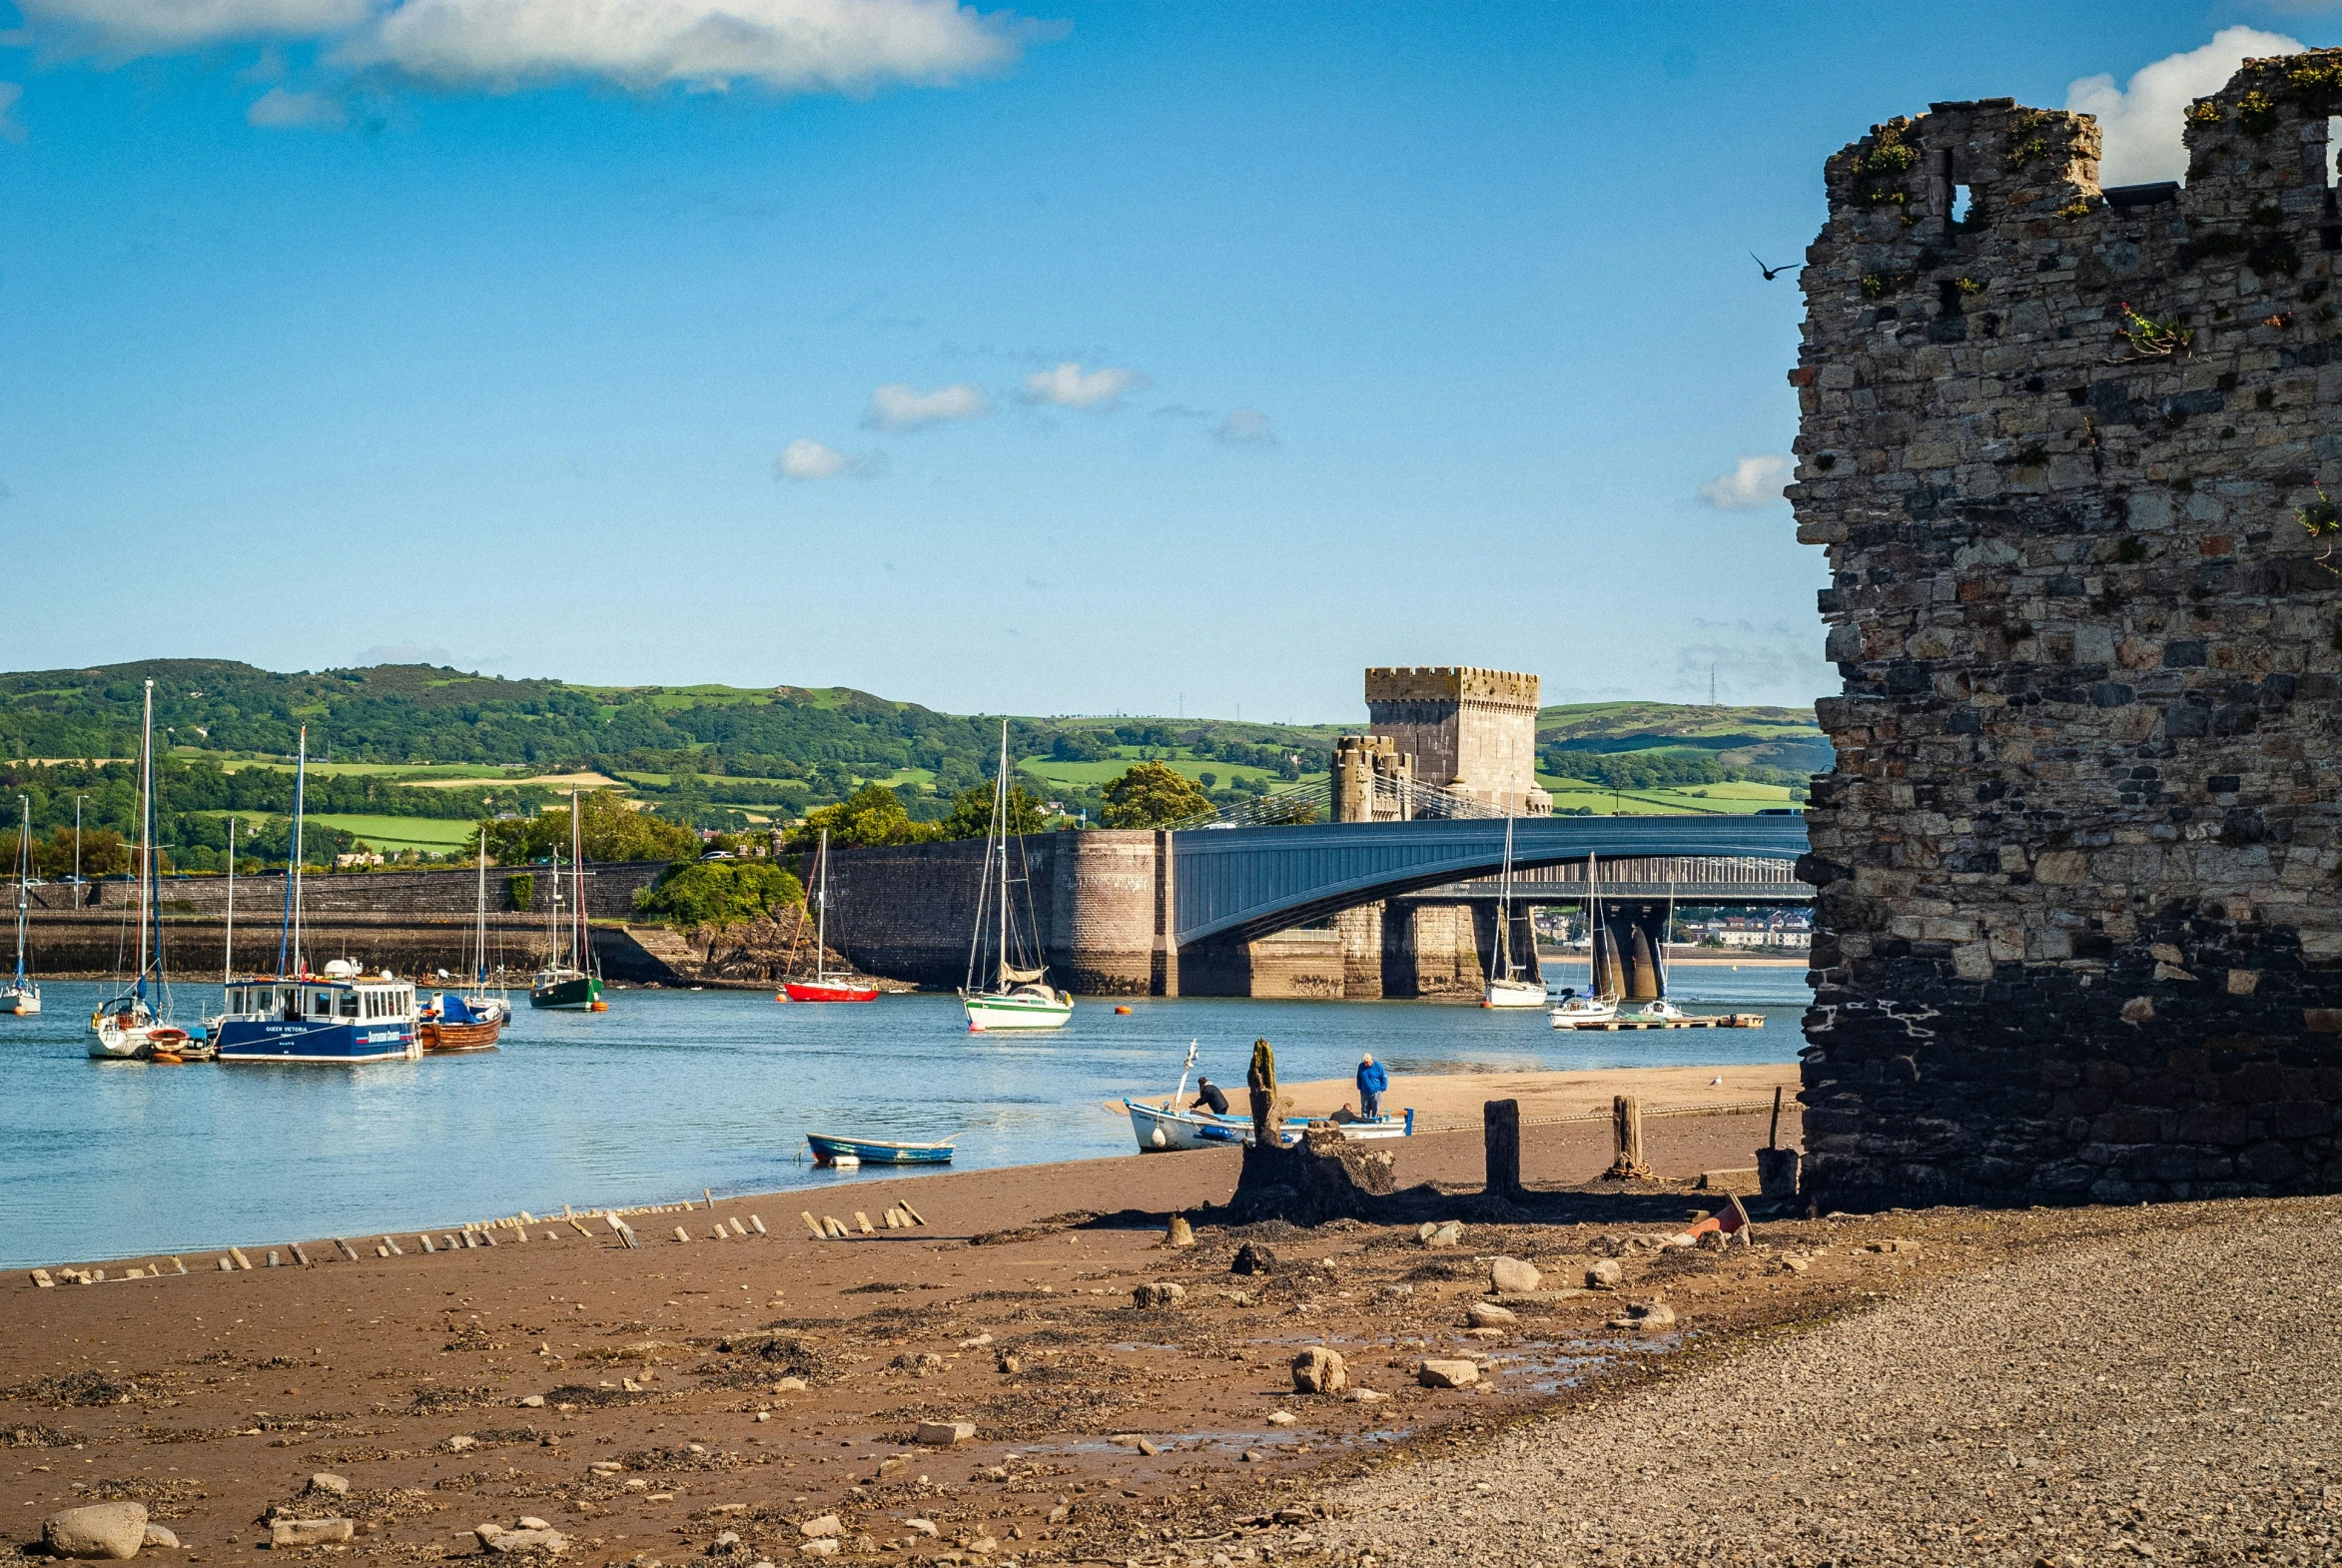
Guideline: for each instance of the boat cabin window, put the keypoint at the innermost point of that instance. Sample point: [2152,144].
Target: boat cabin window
[321,1004]
[349,1004]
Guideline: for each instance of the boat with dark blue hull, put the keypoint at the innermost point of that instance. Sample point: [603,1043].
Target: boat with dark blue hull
[341,1017]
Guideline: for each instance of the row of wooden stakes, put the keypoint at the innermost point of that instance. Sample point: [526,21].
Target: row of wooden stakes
[900,1218]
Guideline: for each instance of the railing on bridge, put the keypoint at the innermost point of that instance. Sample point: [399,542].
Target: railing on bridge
[1402,799]
[1701,879]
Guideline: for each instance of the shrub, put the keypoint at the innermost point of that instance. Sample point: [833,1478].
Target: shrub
[719,892]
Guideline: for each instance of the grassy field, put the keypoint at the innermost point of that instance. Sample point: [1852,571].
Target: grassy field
[437,834]
[1094,773]
[1710,799]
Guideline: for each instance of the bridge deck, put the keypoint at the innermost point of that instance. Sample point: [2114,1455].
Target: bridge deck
[1244,882]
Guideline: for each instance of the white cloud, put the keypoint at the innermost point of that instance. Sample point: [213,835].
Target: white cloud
[2143,120]
[1245,428]
[1071,387]
[804,459]
[140,27]
[281,109]
[1753,482]
[850,46]
[900,407]
[10,130]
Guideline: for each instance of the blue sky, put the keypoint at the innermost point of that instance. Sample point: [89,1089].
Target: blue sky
[1080,358]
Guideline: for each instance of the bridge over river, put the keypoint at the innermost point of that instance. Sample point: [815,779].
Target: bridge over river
[1363,909]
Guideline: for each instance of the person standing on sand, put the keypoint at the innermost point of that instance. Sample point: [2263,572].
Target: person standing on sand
[1260,1080]
[1372,1080]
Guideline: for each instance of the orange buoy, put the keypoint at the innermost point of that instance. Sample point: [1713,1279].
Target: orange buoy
[599,1006]
[1122,1010]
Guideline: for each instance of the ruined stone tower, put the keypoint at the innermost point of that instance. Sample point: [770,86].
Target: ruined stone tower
[2081,931]
[1473,732]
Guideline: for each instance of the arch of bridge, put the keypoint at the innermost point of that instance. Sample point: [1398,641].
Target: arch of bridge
[1239,883]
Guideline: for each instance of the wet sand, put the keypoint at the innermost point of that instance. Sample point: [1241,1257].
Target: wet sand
[1453,1100]
[214,1396]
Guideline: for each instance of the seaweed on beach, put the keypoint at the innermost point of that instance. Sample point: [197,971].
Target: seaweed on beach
[695,1456]
[88,1388]
[780,1355]
[164,1499]
[587,1394]
[429,1401]
[36,1436]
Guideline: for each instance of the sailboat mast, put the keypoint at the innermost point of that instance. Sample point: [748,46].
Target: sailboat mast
[24,849]
[227,945]
[1504,908]
[1000,815]
[577,942]
[821,912]
[146,836]
[300,799]
[480,920]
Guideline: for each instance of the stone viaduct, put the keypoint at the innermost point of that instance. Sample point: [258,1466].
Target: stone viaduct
[2078,927]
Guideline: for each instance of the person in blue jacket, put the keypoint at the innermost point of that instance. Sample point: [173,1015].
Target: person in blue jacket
[1372,1080]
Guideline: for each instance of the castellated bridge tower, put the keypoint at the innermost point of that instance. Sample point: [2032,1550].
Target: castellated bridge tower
[2075,454]
[1473,732]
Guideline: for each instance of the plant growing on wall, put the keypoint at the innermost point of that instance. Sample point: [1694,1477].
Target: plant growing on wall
[2257,113]
[2149,338]
[1878,174]
[2321,521]
[522,886]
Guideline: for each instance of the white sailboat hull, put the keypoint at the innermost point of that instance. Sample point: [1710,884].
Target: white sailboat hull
[22,1001]
[1514,994]
[992,1011]
[1583,1013]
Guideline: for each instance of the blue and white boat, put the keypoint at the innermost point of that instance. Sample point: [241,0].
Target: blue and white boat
[339,1016]
[832,1151]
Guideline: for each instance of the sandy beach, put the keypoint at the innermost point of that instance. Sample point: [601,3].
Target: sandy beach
[716,1400]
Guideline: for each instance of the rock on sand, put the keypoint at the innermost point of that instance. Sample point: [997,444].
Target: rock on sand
[96,1530]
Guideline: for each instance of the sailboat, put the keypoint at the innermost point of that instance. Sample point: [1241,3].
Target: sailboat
[20,996]
[468,1022]
[825,986]
[571,985]
[125,1026]
[341,1018]
[1018,998]
[1508,987]
[1599,1006]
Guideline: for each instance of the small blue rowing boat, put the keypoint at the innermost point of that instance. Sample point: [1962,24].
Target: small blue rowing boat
[828,1151]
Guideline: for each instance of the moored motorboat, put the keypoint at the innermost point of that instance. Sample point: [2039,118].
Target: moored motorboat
[1351,1126]
[448,1025]
[1572,1010]
[831,1150]
[340,1018]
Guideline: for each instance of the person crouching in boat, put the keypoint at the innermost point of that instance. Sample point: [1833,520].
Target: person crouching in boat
[1260,1083]
[1372,1080]
[1209,1094]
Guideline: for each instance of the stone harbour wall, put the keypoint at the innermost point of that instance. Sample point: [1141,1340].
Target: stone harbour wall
[2069,452]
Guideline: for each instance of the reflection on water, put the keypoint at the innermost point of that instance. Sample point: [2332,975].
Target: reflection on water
[673,1092]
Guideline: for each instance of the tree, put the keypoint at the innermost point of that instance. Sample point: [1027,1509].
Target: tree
[719,892]
[613,830]
[971,815]
[1150,795]
[872,814]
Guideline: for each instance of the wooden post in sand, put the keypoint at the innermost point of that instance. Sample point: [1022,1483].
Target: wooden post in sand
[1626,1140]
[1501,1130]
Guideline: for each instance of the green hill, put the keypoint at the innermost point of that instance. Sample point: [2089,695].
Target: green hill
[400,741]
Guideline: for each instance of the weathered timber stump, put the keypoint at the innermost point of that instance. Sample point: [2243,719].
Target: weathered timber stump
[1501,1128]
[1626,1140]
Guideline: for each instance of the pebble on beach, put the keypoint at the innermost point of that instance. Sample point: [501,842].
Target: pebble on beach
[96,1530]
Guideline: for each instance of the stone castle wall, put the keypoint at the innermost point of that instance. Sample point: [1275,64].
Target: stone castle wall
[2079,934]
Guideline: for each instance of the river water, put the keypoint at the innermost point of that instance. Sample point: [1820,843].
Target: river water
[671,1092]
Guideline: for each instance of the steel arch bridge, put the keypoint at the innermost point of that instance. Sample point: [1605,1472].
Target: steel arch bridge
[1241,883]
